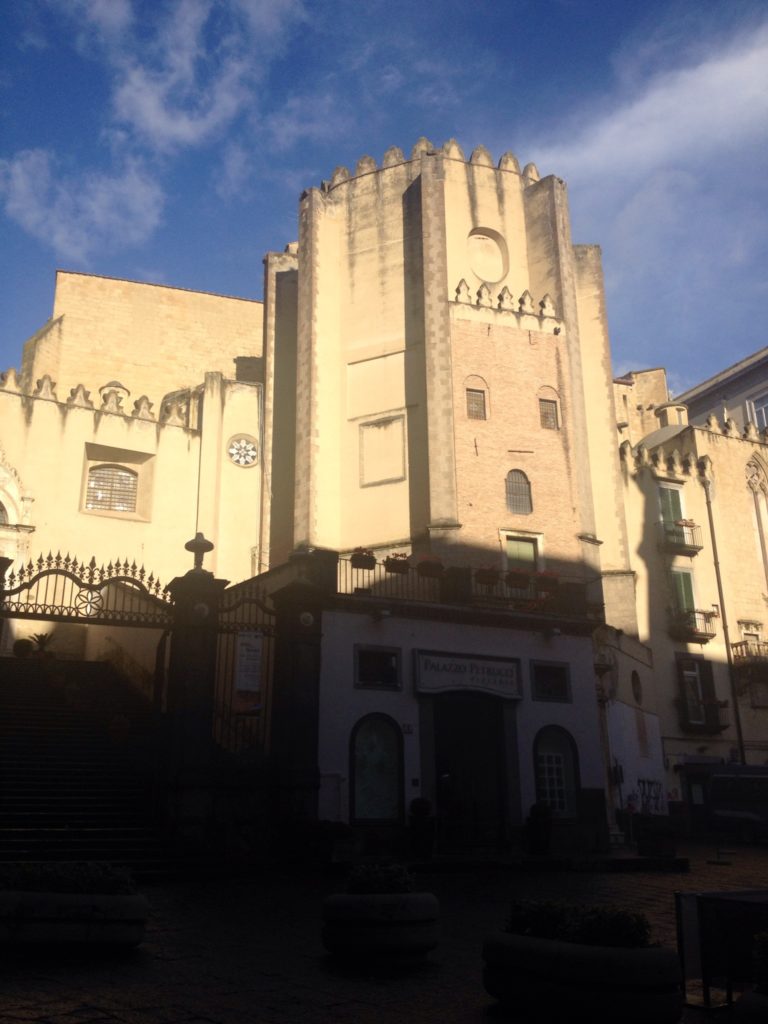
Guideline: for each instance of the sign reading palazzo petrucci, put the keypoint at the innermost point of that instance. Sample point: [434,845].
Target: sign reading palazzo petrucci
[442,671]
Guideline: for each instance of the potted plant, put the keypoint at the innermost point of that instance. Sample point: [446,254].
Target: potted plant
[363,558]
[565,962]
[380,920]
[397,563]
[70,902]
[430,567]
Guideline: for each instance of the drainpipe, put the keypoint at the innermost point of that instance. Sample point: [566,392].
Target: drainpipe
[707,484]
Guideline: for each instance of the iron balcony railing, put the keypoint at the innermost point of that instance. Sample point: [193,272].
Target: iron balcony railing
[692,626]
[680,537]
[511,590]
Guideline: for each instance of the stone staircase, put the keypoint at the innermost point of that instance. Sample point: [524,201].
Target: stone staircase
[77,766]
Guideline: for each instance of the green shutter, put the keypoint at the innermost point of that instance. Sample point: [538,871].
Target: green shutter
[671,506]
[682,583]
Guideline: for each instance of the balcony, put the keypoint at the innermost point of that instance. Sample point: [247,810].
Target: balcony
[682,537]
[750,653]
[702,718]
[692,627]
[406,579]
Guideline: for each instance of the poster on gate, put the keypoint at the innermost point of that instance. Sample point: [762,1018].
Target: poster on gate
[248,654]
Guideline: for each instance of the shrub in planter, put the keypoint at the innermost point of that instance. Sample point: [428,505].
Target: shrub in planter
[561,962]
[379,920]
[363,558]
[397,563]
[72,902]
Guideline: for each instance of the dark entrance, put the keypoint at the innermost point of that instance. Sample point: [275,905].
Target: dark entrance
[469,764]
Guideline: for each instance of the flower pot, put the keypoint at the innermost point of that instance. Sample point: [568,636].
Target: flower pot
[375,928]
[545,979]
[360,560]
[400,566]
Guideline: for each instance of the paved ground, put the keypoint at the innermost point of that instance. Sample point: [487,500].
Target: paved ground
[232,951]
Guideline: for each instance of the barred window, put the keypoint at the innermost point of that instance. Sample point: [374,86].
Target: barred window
[548,414]
[112,488]
[557,770]
[518,493]
[476,404]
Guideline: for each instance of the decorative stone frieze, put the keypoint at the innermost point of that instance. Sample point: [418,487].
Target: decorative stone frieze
[45,388]
[480,155]
[393,156]
[142,409]
[365,165]
[484,296]
[506,300]
[422,146]
[79,398]
[463,293]
[9,381]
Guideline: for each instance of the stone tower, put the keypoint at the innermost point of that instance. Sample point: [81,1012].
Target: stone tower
[443,349]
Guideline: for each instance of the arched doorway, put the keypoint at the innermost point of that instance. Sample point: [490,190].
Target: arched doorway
[470,769]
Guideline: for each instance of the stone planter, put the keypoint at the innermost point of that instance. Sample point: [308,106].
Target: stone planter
[64,917]
[550,980]
[381,928]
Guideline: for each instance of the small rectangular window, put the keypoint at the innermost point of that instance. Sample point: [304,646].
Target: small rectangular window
[377,668]
[475,404]
[548,414]
[550,682]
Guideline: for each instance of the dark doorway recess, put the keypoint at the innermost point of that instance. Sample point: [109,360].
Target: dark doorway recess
[469,763]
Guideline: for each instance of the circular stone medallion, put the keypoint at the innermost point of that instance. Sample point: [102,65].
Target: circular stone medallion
[243,450]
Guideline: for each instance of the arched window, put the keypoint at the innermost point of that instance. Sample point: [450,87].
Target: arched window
[556,762]
[112,488]
[519,493]
[376,770]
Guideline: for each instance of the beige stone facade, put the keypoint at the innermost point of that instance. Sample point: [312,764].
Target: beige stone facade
[135,385]
[429,373]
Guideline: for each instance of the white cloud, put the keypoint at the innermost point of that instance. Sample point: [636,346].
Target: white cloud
[678,117]
[315,118]
[80,215]
[236,169]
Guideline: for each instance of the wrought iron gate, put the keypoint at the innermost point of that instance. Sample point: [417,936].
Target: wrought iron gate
[244,668]
[64,590]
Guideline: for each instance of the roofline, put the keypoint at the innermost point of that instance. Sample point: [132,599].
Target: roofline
[156,284]
[741,367]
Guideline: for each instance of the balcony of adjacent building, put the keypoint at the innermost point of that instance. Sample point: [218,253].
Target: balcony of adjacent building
[692,626]
[702,717]
[401,578]
[680,537]
[750,663]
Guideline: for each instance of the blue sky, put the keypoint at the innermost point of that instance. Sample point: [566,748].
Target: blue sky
[169,140]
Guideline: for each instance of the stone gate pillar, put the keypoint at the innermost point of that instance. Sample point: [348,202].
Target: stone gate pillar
[188,754]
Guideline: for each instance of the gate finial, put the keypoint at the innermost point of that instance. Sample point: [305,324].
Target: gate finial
[199,546]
